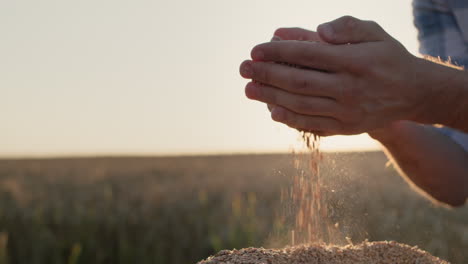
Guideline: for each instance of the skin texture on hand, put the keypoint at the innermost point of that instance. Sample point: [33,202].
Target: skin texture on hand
[363,82]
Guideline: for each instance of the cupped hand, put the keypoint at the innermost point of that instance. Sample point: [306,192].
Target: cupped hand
[299,34]
[363,82]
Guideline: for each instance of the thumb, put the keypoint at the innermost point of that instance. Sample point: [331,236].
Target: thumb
[349,29]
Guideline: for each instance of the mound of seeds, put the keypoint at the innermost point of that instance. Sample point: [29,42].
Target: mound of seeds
[365,253]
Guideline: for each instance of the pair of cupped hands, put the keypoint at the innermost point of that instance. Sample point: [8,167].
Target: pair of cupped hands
[349,77]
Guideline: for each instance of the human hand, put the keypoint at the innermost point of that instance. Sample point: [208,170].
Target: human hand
[299,34]
[363,82]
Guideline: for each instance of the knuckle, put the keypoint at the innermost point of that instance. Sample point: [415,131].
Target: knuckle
[377,30]
[349,22]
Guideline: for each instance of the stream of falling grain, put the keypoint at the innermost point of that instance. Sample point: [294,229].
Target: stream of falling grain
[308,196]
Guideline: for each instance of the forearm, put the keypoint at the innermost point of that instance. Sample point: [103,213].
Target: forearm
[429,160]
[447,100]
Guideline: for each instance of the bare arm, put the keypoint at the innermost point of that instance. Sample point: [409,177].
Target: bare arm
[447,100]
[432,162]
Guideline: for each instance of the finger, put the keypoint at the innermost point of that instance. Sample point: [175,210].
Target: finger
[297,34]
[294,80]
[306,105]
[320,125]
[303,53]
[349,29]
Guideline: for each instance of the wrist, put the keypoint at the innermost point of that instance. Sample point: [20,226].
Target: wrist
[444,89]
[393,133]
[386,134]
[381,134]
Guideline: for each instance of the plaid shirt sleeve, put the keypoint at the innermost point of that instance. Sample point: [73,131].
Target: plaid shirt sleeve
[443,32]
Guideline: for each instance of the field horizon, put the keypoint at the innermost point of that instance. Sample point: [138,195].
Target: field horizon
[183,209]
[165,155]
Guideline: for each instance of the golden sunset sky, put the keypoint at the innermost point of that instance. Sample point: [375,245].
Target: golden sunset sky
[153,77]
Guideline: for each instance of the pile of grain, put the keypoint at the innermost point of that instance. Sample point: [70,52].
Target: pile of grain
[365,253]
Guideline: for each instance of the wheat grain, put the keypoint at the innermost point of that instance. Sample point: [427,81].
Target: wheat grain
[382,252]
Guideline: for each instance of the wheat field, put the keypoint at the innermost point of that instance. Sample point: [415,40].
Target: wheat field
[173,210]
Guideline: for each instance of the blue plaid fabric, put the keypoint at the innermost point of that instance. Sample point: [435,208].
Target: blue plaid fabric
[443,32]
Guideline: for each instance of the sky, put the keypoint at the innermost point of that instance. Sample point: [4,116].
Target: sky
[153,77]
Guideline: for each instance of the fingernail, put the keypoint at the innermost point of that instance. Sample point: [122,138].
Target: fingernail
[276,38]
[327,30]
[257,55]
[246,69]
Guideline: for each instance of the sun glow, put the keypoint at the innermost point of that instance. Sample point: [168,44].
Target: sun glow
[159,77]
